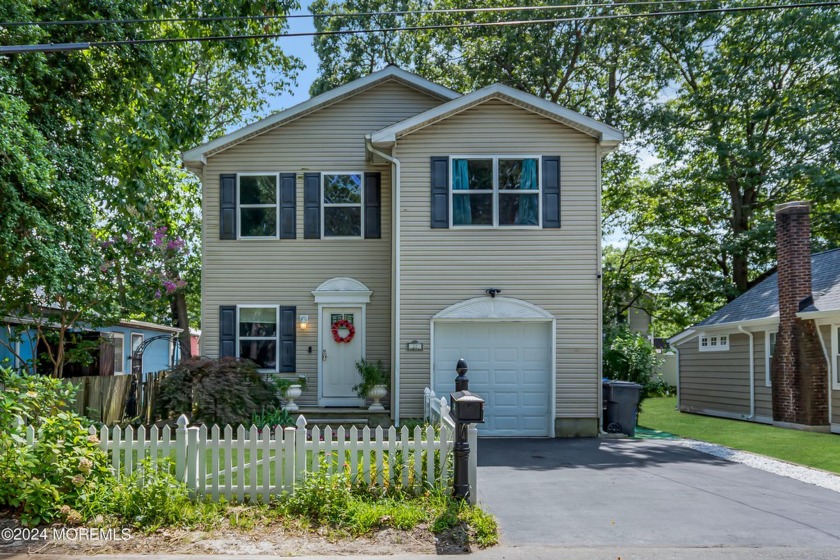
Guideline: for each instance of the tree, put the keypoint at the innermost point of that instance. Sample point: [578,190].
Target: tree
[104,128]
[751,122]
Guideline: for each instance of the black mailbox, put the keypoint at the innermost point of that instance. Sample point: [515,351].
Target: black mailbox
[467,407]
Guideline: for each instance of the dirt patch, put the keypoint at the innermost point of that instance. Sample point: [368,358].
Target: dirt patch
[269,539]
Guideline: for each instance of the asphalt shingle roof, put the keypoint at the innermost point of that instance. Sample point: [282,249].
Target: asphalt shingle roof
[762,301]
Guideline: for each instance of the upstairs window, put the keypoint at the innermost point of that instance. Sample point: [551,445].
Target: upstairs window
[342,204]
[495,192]
[714,343]
[257,206]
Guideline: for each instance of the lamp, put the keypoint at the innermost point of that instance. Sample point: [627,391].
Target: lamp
[304,321]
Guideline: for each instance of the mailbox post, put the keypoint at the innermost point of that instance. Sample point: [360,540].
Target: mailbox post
[465,408]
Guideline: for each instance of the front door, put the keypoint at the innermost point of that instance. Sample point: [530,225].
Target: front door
[342,341]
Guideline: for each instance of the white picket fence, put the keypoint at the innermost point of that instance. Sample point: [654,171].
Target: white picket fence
[436,411]
[256,464]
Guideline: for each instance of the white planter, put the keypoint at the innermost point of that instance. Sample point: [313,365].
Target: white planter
[293,392]
[376,393]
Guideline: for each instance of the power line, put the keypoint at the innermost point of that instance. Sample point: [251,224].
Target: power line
[504,23]
[211,19]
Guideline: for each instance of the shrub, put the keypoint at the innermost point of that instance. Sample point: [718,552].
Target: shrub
[629,356]
[223,391]
[55,475]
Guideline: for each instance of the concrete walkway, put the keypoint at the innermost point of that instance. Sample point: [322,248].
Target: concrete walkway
[593,493]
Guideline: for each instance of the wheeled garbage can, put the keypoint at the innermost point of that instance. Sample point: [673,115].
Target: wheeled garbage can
[621,406]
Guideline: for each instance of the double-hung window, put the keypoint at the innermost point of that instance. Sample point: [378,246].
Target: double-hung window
[495,191]
[118,342]
[257,328]
[342,194]
[769,351]
[258,208]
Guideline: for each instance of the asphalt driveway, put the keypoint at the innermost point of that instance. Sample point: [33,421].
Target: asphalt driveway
[594,493]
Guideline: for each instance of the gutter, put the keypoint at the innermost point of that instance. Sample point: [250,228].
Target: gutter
[752,372]
[395,224]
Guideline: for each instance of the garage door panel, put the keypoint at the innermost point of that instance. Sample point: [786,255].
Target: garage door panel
[509,366]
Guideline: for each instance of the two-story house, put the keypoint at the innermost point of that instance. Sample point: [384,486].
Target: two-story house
[392,218]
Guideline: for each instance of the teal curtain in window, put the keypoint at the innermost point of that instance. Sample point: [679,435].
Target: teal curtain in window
[461,213]
[526,214]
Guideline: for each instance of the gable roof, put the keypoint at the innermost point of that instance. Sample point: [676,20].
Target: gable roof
[606,135]
[198,155]
[762,301]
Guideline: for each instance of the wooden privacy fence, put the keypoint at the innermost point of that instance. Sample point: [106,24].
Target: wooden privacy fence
[258,463]
[102,398]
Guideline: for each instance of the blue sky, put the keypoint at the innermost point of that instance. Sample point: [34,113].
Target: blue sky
[302,48]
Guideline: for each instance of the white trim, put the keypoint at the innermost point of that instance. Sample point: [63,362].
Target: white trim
[131,350]
[150,326]
[599,386]
[828,314]
[834,362]
[495,192]
[500,310]
[275,338]
[683,336]
[493,309]
[767,377]
[608,136]
[197,156]
[121,358]
[342,290]
[360,205]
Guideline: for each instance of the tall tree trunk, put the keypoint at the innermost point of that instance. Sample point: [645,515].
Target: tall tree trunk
[180,318]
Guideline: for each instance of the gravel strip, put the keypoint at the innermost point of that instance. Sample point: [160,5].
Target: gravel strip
[808,475]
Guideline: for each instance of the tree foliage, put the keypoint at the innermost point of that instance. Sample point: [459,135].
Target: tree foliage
[90,143]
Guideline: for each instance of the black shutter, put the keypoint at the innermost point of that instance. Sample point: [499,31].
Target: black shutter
[287,339]
[288,222]
[373,205]
[227,331]
[227,206]
[312,206]
[440,192]
[551,191]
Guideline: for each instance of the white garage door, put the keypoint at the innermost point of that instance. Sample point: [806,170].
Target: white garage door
[509,366]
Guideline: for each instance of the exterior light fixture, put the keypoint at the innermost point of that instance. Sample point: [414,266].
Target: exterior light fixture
[304,321]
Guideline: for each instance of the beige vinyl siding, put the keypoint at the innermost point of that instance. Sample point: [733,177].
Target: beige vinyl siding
[763,393]
[553,268]
[286,271]
[715,381]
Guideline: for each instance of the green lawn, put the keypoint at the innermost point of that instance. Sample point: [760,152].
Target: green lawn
[805,448]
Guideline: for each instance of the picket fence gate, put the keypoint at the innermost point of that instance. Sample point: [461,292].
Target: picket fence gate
[257,463]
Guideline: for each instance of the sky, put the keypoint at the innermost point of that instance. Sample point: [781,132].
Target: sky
[302,48]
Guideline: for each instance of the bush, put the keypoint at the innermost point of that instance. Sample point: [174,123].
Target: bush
[55,475]
[629,356]
[223,391]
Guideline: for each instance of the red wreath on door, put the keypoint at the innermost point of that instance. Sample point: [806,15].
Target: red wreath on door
[343,324]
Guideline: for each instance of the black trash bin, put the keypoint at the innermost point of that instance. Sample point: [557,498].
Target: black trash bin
[621,406]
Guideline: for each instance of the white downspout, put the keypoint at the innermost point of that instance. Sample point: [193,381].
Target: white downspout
[752,372]
[677,350]
[395,224]
[599,283]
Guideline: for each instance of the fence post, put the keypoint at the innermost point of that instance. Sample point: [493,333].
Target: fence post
[472,438]
[181,448]
[192,458]
[300,450]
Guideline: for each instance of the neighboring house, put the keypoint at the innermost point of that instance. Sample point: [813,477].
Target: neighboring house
[114,355]
[436,225]
[749,361]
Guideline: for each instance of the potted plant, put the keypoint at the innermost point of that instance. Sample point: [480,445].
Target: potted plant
[291,389]
[376,380]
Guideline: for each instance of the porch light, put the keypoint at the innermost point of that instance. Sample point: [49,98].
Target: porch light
[303,320]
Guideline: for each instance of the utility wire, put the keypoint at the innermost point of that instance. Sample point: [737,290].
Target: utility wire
[504,23]
[210,19]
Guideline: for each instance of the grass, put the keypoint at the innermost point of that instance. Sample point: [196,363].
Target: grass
[817,450]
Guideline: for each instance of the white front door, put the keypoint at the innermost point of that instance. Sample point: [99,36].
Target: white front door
[338,358]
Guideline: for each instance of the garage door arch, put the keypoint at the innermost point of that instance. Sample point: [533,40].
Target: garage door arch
[484,326]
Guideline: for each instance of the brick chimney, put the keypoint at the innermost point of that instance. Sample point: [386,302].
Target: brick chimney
[799,371]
